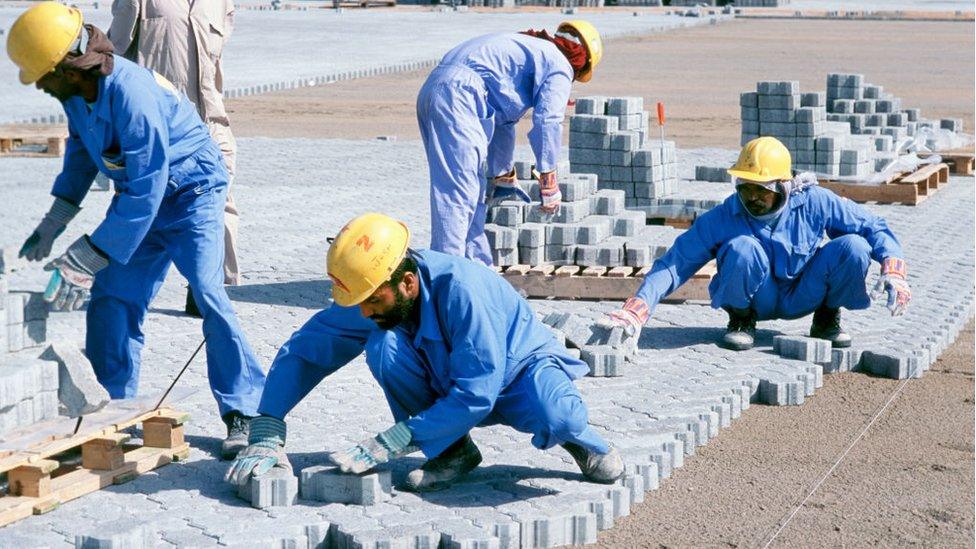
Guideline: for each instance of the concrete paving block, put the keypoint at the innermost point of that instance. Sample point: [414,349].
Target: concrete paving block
[776,115]
[584,140]
[523,170]
[276,488]
[506,216]
[625,105]
[607,202]
[783,87]
[560,255]
[593,104]
[629,223]
[632,121]
[119,534]
[34,307]
[562,234]
[803,348]
[788,102]
[79,391]
[532,235]
[582,332]
[621,158]
[553,528]
[45,405]
[504,257]
[590,123]
[604,361]
[780,391]
[501,237]
[813,99]
[891,364]
[625,141]
[575,188]
[25,412]
[579,155]
[35,333]
[15,304]
[594,229]
[749,99]
[532,255]
[328,484]
[638,254]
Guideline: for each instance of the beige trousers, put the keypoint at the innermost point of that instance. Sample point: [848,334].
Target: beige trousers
[224,138]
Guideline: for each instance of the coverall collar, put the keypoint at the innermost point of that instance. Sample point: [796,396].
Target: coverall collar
[102,108]
[429,328]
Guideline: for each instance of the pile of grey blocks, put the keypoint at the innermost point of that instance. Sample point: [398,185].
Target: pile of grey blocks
[605,350]
[712,174]
[592,227]
[609,137]
[761,3]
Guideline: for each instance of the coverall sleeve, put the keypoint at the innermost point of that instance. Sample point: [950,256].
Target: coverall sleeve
[228,20]
[77,172]
[476,335]
[143,138]
[125,27]
[327,342]
[546,135]
[847,217]
[689,253]
[501,149]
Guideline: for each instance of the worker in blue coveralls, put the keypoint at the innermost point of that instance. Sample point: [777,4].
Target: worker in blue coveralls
[766,239]
[467,111]
[452,345]
[131,124]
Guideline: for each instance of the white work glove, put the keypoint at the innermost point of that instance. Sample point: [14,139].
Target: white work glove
[894,282]
[549,192]
[265,450]
[631,317]
[74,275]
[380,449]
[38,244]
[505,187]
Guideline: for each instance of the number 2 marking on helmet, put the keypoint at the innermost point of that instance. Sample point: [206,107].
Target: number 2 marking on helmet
[364,242]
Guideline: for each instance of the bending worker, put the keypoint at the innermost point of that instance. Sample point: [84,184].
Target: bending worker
[467,111]
[766,241]
[132,125]
[452,345]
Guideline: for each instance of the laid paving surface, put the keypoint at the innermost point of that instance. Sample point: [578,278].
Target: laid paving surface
[679,394]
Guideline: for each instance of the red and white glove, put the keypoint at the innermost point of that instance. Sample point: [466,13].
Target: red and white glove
[549,192]
[631,317]
[894,282]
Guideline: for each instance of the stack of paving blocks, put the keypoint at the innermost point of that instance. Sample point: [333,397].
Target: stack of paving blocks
[609,137]
[713,174]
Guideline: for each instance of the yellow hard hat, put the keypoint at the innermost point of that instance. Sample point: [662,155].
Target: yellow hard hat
[591,41]
[763,159]
[364,255]
[41,37]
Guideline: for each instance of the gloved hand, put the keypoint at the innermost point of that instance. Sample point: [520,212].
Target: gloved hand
[631,317]
[505,187]
[549,192]
[38,244]
[266,449]
[894,282]
[385,446]
[74,274]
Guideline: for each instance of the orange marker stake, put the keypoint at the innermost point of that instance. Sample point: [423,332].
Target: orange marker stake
[660,123]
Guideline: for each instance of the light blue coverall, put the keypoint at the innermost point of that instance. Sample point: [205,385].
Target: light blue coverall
[171,185]
[479,356]
[467,111]
[779,269]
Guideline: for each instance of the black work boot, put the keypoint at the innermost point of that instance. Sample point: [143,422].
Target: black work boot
[238,427]
[439,473]
[191,305]
[600,468]
[741,331]
[826,325]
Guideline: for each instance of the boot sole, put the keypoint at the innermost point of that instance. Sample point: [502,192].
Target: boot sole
[442,484]
[734,346]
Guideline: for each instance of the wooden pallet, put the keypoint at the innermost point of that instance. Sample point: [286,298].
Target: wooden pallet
[32,141]
[44,475]
[961,161]
[676,222]
[908,189]
[603,283]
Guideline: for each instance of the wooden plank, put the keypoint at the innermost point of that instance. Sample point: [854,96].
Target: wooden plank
[889,193]
[567,270]
[162,432]
[518,269]
[105,453]
[542,270]
[619,272]
[32,480]
[594,270]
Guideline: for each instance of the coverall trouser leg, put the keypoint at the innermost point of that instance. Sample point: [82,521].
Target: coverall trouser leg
[834,276]
[542,400]
[456,124]
[189,232]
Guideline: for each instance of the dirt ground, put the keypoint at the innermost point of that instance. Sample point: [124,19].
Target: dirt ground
[698,74]
[909,481]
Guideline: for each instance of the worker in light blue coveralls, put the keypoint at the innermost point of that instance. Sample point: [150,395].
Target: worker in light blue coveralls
[131,124]
[467,111]
[766,240]
[452,345]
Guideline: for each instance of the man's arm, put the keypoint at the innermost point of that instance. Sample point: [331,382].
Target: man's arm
[125,27]
[77,171]
[844,216]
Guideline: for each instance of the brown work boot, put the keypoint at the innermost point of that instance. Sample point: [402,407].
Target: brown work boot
[238,428]
[456,461]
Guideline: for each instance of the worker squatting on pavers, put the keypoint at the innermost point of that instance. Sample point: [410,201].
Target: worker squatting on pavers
[467,111]
[766,240]
[131,124]
[453,346]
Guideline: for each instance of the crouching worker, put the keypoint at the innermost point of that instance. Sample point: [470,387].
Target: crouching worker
[766,242]
[452,345]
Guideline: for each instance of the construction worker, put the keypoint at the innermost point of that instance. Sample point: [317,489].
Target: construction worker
[766,240]
[132,125]
[467,111]
[183,41]
[452,345]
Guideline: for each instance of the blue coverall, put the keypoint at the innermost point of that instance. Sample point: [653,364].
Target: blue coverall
[478,356]
[467,111]
[779,269]
[171,185]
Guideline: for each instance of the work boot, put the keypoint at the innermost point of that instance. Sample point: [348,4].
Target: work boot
[826,325]
[741,331]
[191,305]
[238,427]
[601,468]
[439,473]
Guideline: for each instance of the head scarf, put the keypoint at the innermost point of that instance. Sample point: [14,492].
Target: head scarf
[786,188]
[92,50]
[574,51]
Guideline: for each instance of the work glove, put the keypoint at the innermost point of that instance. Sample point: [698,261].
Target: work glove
[549,192]
[380,449]
[631,317]
[73,276]
[265,450]
[893,281]
[505,187]
[38,244]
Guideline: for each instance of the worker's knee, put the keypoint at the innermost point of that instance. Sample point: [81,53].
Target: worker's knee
[381,351]
[741,253]
[849,248]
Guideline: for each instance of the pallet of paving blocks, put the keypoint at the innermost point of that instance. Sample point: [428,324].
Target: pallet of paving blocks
[960,161]
[47,465]
[597,282]
[908,189]
[29,141]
